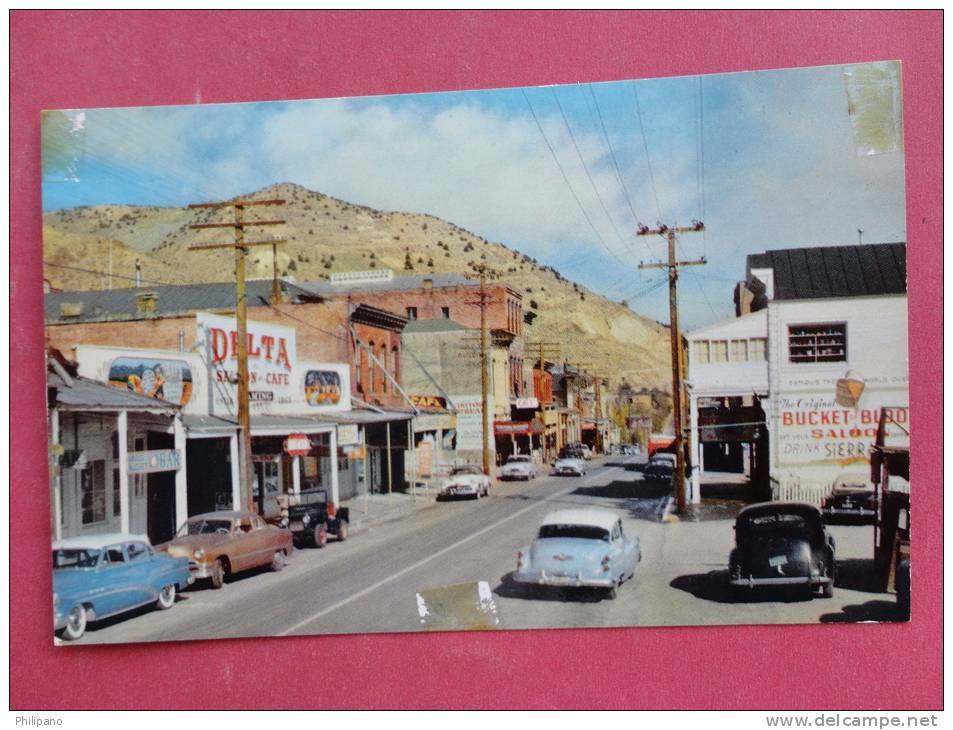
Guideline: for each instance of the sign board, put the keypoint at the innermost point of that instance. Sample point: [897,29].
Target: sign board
[527,403]
[348,433]
[297,444]
[161,378]
[470,422]
[271,359]
[433,402]
[150,462]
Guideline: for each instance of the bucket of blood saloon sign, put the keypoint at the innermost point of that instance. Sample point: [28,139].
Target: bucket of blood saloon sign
[816,429]
[271,361]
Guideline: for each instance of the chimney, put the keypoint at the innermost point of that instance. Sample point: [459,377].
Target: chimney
[138,274]
[146,302]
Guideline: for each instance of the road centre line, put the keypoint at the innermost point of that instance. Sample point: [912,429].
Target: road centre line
[410,568]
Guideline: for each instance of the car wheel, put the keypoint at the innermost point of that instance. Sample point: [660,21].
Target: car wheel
[611,593]
[278,561]
[827,590]
[218,574]
[342,531]
[320,537]
[166,597]
[75,624]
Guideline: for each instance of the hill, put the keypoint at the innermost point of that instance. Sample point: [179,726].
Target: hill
[326,235]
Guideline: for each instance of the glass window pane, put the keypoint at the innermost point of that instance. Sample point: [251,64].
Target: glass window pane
[739,350]
[719,351]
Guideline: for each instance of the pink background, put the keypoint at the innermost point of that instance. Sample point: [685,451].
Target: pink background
[87,59]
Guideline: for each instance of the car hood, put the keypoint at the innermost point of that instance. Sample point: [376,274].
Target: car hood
[520,466]
[567,554]
[469,479]
[572,463]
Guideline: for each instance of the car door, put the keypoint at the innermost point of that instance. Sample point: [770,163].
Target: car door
[630,551]
[140,569]
[114,590]
[242,552]
[262,535]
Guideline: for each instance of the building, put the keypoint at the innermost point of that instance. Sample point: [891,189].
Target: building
[792,388]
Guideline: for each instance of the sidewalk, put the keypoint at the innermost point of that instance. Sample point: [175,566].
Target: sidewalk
[374,509]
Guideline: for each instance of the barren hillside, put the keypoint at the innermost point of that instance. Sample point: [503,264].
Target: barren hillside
[327,235]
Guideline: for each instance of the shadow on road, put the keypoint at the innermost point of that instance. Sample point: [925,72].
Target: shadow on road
[858,574]
[99,625]
[714,586]
[509,588]
[869,611]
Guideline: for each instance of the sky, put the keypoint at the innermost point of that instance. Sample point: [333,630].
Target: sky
[565,174]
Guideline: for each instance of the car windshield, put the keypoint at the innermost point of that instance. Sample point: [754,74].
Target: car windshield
[518,460]
[466,470]
[205,527]
[585,532]
[777,524]
[78,558]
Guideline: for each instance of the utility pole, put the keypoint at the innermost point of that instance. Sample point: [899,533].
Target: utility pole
[673,265]
[240,245]
[482,301]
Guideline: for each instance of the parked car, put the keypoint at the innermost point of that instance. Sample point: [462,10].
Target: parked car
[467,480]
[575,466]
[519,466]
[579,548]
[98,576]
[220,544]
[586,452]
[311,518]
[659,471]
[664,458]
[571,451]
[852,497]
[782,544]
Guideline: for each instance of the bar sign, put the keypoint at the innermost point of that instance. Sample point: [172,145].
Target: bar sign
[149,462]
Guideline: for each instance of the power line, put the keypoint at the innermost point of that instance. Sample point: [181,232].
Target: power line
[106,273]
[645,147]
[566,180]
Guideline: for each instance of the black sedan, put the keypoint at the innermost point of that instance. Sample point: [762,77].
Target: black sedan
[852,499]
[782,544]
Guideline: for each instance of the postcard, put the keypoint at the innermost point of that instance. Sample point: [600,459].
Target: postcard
[630,353]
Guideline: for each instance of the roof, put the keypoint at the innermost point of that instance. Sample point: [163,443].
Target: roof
[398,283]
[86,394]
[763,508]
[835,271]
[208,424]
[95,541]
[595,517]
[427,326]
[366,415]
[171,300]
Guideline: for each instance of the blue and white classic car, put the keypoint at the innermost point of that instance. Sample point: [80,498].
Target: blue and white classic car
[579,548]
[97,576]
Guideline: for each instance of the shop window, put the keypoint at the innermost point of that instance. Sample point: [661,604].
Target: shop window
[701,352]
[395,354]
[93,492]
[719,350]
[384,367]
[817,343]
[739,350]
[373,369]
[116,493]
[411,312]
[757,349]
[363,376]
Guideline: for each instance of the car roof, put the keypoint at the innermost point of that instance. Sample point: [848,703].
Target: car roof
[593,517]
[97,541]
[764,508]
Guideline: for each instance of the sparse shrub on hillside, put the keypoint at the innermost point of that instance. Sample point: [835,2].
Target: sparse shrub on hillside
[396,238]
[533,304]
[582,296]
[447,255]
[373,264]
[344,227]
[423,226]
[430,262]
[292,266]
[529,290]
[408,264]
[373,255]
[420,259]
[624,302]
[327,264]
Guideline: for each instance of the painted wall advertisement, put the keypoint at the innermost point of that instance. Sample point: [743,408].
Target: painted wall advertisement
[470,422]
[816,429]
[271,359]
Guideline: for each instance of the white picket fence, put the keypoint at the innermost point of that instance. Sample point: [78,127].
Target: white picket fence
[792,488]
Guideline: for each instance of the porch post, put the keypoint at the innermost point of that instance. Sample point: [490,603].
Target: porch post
[413,458]
[364,465]
[296,474]
[335,489]
[695,450]
[236,481]
[390,475]
[58,479]
[122,433]
[181,478]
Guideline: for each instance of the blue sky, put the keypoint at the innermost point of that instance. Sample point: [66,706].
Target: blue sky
[767,159]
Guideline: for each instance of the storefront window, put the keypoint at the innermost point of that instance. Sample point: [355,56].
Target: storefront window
[719,351]
[93,492]
[757,349]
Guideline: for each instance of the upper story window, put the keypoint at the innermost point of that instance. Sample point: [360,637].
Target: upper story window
[701,352]
[739,350]
[719,350]
[411,312]
[758,348]
[817,342]
[445,312]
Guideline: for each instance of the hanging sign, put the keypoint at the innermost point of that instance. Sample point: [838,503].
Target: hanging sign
[298,444]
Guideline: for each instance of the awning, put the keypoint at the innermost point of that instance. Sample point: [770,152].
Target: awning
[208,426]
[518,428]
[283,425]
[366,415]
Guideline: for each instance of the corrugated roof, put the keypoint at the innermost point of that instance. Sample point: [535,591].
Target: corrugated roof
[398,283]
[86,393]
[429,326]
[121,304]
[835,271]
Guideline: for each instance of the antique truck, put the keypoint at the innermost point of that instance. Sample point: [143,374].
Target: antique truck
[312,517]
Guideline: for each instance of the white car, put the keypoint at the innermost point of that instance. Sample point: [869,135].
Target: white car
[465,481]
[519,466]
[586,452]
[569,467]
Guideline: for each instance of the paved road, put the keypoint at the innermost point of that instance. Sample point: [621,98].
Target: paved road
[370,582]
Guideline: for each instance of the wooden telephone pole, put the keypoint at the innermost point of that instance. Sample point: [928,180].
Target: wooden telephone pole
[483,301]
[673,265]
[240,245]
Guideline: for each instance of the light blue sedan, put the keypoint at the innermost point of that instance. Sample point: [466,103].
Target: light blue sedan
[580,548]
[98,576]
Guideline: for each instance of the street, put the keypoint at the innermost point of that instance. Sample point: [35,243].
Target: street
[370,583]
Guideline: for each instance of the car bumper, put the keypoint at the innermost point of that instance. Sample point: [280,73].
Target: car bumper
[848,512]
[567,472]
[59,622]
[459,491]
[542,578]
[514,476]
[199,570]
[752,582]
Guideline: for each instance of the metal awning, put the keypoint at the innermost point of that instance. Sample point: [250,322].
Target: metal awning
[198,426]
[364,415]
[262,425]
